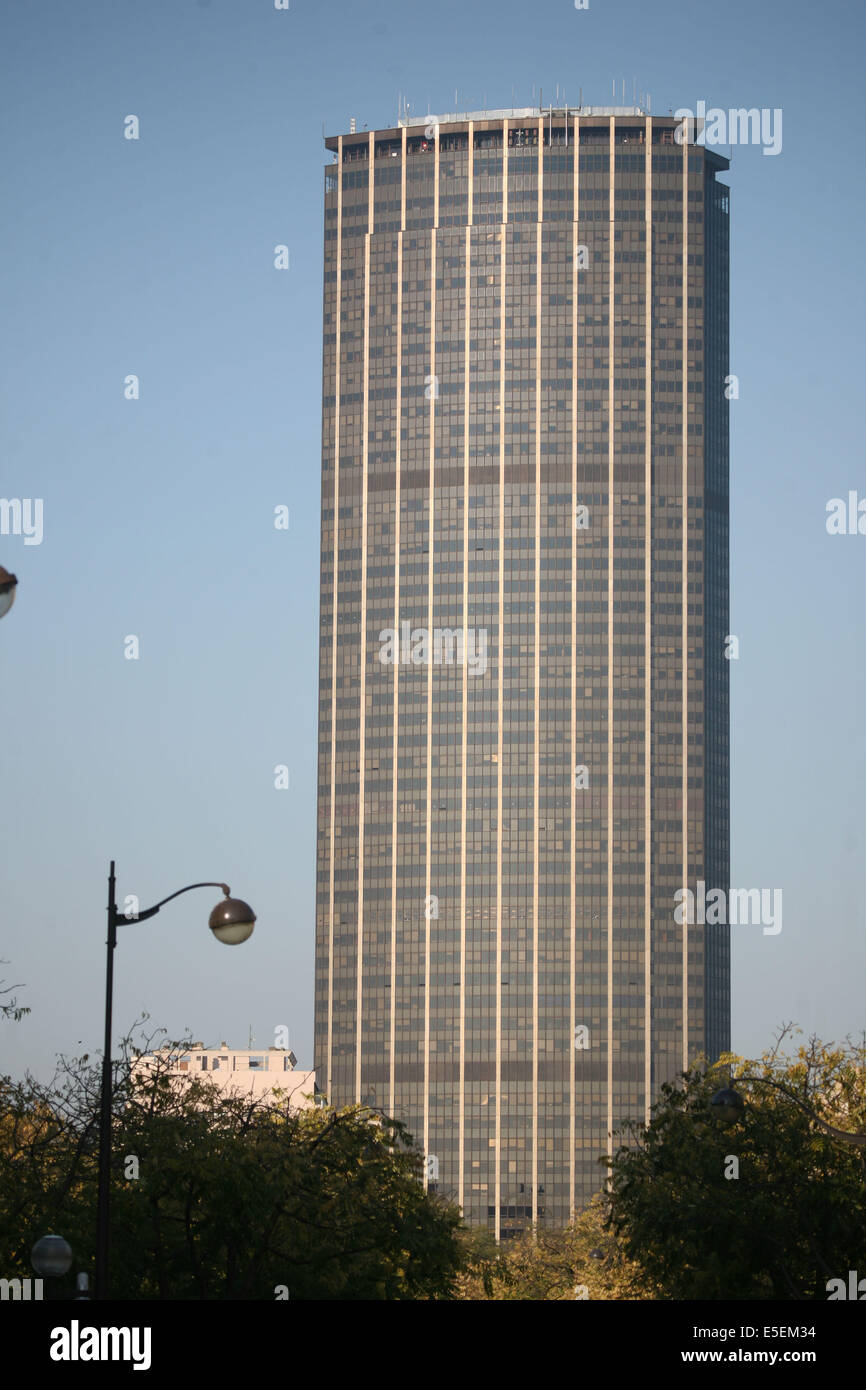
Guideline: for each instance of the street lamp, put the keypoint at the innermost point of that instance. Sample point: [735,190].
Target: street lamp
[51,1256]
[728,1106]
[7,591]
[231,922]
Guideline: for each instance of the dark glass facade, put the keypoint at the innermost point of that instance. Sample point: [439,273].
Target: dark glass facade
[525,451]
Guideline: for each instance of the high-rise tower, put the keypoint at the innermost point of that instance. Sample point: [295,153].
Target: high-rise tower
[523,745]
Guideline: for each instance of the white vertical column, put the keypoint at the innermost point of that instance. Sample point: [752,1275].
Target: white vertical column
[685,593]
[395,746]
[500,746]
[648,521]
[332,823]
[611,332]
[428,851]
[572,972]
[470,173]
[430,539]
[362,741]
[461,1139]
[536,670]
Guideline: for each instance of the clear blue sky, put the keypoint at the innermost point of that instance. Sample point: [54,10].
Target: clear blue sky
[155,257]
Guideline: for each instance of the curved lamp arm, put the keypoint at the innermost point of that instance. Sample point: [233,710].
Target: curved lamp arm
[120,917]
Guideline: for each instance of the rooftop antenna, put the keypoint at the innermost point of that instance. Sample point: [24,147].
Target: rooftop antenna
[251,1039]
[634,91]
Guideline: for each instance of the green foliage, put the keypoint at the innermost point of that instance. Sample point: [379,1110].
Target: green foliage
[796,1214]
[584,1261]
[234,1197]
[11,1008]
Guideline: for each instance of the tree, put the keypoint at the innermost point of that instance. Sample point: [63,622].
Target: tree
[10,1008]
[583,1261]
[769,1208]
[217,1196]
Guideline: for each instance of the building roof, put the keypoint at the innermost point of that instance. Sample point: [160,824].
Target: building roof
[522,112]
[533,113]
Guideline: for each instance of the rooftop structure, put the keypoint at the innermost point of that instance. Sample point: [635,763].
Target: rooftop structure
[241,1071]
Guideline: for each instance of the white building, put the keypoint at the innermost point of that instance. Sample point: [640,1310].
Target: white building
[242,1071]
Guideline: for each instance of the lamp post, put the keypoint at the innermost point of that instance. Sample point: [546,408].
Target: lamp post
[7,591]
[728,1106]
[51,1257]
[231,922]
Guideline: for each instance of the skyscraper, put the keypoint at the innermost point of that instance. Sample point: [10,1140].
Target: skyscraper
[524,603]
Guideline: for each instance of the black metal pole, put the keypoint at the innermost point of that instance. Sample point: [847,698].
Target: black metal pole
[104,1192]
[103,1200]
